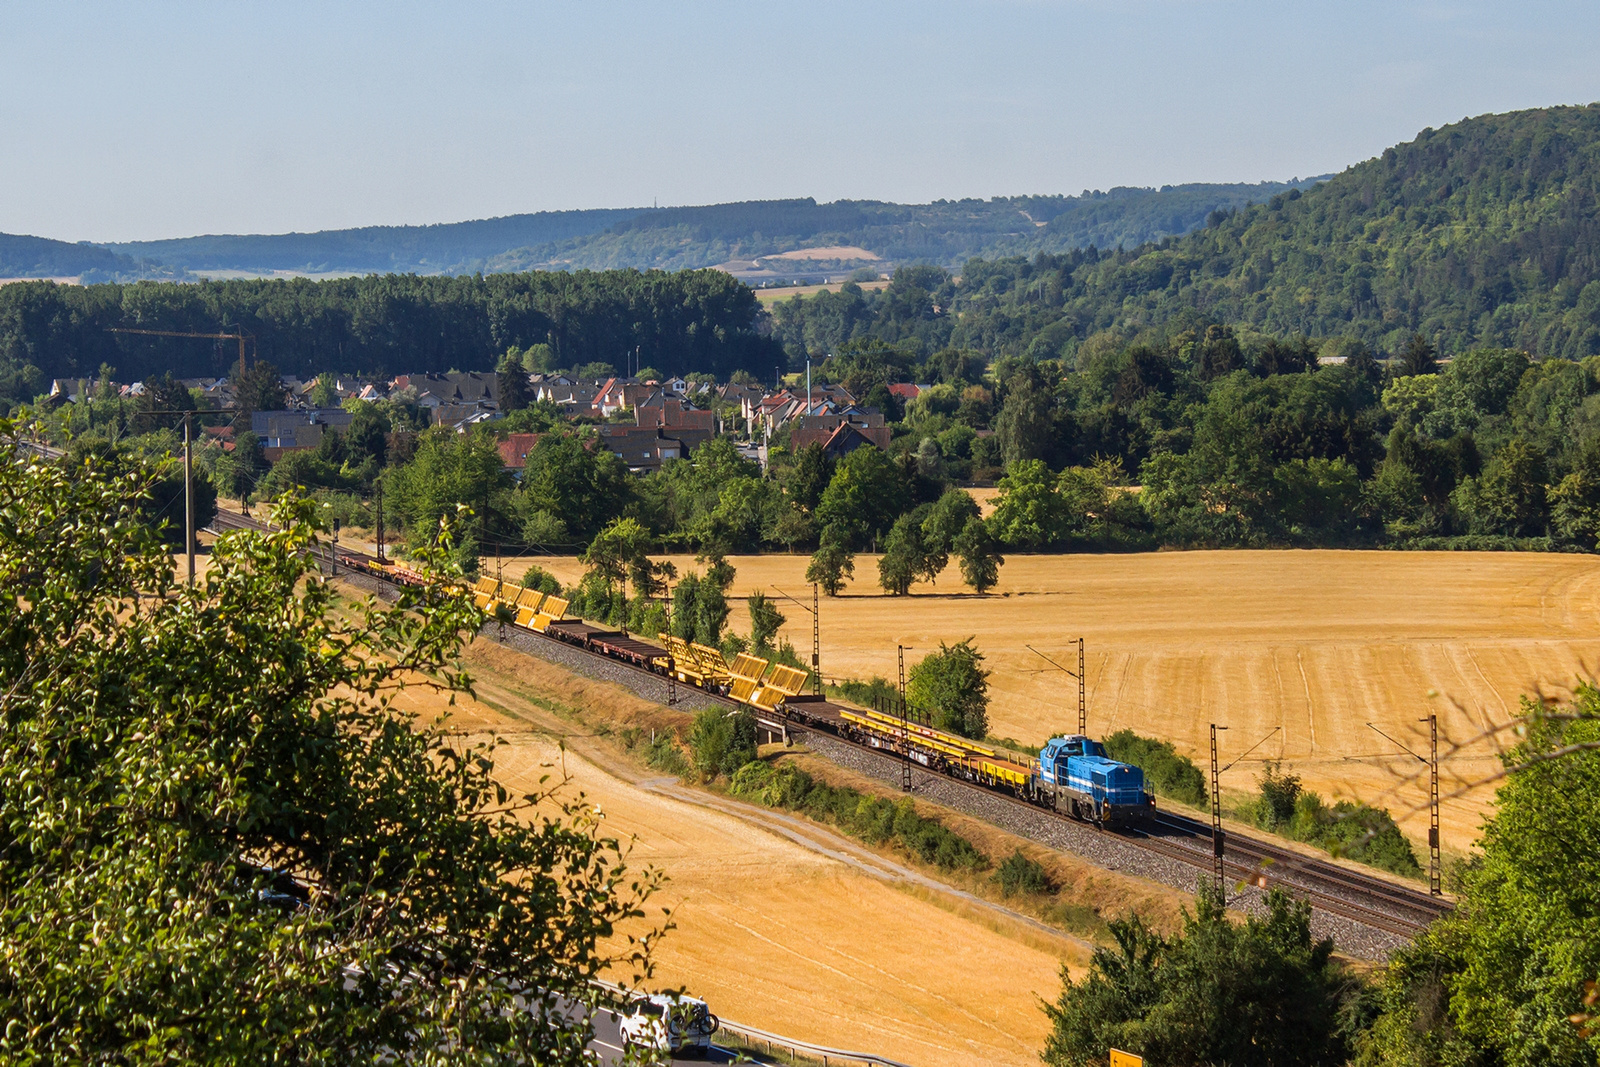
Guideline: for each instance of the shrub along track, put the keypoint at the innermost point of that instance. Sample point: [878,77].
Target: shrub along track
[1371,915]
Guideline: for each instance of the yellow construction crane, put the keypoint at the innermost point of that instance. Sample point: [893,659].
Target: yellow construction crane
[240,335]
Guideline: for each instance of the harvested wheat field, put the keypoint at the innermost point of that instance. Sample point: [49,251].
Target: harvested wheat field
[1316,642]
[772,931]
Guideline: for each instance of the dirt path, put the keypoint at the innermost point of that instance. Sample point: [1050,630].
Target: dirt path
[781,923]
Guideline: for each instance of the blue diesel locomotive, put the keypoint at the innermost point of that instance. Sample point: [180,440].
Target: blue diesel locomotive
[1090,785]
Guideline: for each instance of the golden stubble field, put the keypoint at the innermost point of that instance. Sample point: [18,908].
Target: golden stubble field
[1319,643]
[772,932]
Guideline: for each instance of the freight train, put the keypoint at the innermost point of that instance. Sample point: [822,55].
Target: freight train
[1072,774]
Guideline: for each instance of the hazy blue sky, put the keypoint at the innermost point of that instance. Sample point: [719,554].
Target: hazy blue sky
[155,120]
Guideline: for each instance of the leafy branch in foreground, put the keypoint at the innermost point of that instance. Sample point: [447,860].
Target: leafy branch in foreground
[221,840]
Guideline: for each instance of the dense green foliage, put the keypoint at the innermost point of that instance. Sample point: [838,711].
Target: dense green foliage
[1261,993]
[1165,771]
[689,321]
[873,819]
[1018,873]
[1347,828]
[1495,982]
[950,689]
[722,741]
[1481,233]
[220,839]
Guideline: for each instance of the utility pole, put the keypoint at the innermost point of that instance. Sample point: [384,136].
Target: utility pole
[483,529]
[808,385]
[333,557]
[905,726]
[672,667]
[380,520]
[1216,811]
[816,642]
[1083,708]
[1433,807]
[816,633]
[188,499]
[1434,886]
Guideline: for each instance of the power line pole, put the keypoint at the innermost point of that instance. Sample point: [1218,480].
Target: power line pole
[905,726]
[816,642]
[672,664]
[1216,811]
[188,498]
[1083,709]
[816,633]
[380,520]
[1434,886]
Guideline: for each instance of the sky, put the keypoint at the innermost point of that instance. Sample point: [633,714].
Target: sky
[149,120]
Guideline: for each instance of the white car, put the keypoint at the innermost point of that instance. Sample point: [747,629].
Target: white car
[669,1024]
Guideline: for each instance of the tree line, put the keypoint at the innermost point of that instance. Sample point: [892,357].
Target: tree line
[382,325]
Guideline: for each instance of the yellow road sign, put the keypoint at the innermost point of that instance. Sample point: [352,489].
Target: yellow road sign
[1125,1059]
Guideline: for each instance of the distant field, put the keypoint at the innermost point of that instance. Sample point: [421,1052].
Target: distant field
[848,252]
[1317,642]
[773,294]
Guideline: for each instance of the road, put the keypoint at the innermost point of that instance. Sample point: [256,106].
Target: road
[608,1042]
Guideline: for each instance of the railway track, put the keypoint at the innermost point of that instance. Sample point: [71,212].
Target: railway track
[1364,898]
[1367,899]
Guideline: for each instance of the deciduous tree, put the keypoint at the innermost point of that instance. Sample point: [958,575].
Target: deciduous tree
[951,687]
[1261,992]
[224,840]
[833,563]
[980,556]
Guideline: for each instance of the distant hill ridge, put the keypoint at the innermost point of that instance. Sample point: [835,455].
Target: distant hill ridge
[22,256]
[1486,231]
[946,232]
[452,247]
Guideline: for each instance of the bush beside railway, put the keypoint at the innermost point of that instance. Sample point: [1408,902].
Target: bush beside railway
[1349,829]
[1168,773]
[875,820]
[1019,874]
[721,741]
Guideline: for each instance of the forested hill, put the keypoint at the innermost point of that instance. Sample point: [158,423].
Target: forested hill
[448,248]
[945,232]
[22,256]
[1483,232]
